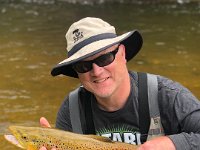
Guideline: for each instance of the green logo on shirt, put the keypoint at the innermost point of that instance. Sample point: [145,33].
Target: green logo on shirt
[121,133]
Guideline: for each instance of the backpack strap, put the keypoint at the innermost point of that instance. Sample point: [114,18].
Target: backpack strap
[144,117]
[155,128]
[149,114]
[77,114]
[89,128]
[74,111]
[153,95]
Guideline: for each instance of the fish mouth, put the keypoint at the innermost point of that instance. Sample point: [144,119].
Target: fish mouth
[11,138]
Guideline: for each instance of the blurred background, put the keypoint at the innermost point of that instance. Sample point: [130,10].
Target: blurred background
[32,41]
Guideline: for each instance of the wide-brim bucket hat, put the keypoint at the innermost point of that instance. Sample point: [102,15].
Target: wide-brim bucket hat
[90,36]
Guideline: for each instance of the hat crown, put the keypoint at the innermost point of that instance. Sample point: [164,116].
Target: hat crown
[86,28]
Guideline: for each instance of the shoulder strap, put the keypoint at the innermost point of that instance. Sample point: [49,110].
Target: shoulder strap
[149,114]
[75,114]
[75,111]
[153,95]
[144,117]
[90,129]
[155,128]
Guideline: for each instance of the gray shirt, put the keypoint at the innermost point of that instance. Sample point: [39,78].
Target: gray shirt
[179,111]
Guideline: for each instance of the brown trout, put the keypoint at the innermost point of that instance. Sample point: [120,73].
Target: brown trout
[32,138]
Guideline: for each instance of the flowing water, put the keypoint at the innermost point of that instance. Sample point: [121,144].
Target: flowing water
[32,42]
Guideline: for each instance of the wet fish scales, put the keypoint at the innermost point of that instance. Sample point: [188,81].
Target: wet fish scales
[33,138]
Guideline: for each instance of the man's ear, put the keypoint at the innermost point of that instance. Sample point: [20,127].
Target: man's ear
[123,51]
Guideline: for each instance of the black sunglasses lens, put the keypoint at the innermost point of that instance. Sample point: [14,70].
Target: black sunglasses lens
[104,60]
[82,67]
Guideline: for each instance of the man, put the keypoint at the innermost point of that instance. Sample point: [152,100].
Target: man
[98,57]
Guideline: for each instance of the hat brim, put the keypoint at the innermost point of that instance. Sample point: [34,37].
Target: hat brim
[132,41]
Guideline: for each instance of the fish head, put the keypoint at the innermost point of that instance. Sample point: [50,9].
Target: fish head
[21,137]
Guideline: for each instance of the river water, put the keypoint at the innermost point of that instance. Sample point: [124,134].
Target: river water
[32,42]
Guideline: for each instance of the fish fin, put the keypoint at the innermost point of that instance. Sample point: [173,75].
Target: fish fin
[11,138]
[100,138]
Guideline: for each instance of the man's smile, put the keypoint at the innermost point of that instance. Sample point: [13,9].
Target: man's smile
[100,80]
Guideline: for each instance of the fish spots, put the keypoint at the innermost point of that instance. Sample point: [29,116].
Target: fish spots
[62,140]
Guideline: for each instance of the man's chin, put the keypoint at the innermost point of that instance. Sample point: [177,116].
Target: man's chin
[104,94]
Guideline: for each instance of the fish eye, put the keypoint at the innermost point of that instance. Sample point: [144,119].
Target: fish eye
[24,137]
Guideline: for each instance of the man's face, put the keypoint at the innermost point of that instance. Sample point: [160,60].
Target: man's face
[104,81]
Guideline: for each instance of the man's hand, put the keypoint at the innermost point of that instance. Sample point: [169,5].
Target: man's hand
[159,143]
[44,148]
[44,123]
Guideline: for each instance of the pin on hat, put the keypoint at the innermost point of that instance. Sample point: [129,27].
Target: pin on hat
[90,36]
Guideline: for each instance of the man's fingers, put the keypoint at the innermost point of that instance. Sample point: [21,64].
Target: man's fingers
[43,148]
[44,123]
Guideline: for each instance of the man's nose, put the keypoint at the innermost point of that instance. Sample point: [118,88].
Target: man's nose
[96,70]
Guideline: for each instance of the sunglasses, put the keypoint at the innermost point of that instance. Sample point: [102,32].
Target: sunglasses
[101,61]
